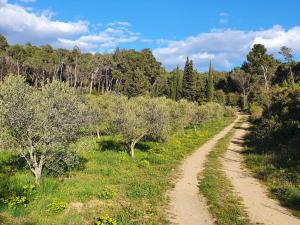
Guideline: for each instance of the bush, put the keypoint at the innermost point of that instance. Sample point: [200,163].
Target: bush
[220,97]
[230,111]
[14,201]
[56,206]
[105,220]
[107,194]
[233,99]
[256,111]
[19,198]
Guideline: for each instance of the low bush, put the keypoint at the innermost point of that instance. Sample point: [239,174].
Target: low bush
[105,220]
[56,206]
[107,194]
[256,111]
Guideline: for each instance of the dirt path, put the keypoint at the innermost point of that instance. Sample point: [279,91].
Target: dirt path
[187,206]
[260,208]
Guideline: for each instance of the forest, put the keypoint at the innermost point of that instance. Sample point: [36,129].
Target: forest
[83,135]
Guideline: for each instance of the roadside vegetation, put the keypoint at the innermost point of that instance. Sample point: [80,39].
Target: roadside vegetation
[225,206]
[78,159]
[273,147]
[110,182]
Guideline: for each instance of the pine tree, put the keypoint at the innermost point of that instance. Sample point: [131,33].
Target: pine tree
[210,85]
[189,83]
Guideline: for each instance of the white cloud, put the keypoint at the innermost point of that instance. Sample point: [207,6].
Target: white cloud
[119,23]
[27,1]
[224,16]
[226,48]
[20,25]
[104,41]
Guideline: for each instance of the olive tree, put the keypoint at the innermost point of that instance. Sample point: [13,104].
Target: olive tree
[39,125]
[139,117]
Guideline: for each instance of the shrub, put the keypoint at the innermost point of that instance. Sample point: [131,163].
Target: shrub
[220,97]
[22,198]
[105,220]
[107,194]
[233,99]
[56,206]
[14,201]
[256,111]
[229,111]
[144,163]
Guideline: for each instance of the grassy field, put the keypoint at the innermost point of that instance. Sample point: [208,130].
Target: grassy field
[225,206]
[131,191]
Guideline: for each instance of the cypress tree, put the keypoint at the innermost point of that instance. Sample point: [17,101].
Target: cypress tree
[210,85]
[189,84]
[177,84]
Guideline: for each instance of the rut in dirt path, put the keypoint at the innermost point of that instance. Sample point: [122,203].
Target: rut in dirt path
[187,206]
[260,208]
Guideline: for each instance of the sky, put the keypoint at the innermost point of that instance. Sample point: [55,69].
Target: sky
[221,31]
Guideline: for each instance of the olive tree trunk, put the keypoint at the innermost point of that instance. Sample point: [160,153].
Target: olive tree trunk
[133,143]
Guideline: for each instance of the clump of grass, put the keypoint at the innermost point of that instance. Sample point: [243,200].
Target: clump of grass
[225,206]
[107,194]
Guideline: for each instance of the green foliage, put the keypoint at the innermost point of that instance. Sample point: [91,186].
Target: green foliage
[256,111]
[210,85]
[274,146]
[176,84]
[105,220]
[233,99]
[39,125]
[15,201]
[107,194]
[260,65]
[139,190]
[220,97]
[56,206]
[110,167]
[144,163]
[189,83]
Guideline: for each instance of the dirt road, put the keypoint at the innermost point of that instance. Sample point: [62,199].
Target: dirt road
[260,208]
[187,206]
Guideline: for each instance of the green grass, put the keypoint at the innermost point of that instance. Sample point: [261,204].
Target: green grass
[225,206]
[132,191]
[280,174]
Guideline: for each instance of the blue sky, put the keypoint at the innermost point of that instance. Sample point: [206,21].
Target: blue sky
[219,30]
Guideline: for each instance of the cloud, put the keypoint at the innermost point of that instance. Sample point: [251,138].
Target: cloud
[27,1]
[119,23]
[223,17]
[226,48]
[105,40]
[20,24]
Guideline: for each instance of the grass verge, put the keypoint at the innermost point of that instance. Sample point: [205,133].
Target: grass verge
[279,173]
[225,206]
[131,191]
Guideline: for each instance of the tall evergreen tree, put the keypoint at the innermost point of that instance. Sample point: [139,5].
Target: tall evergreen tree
[210,85]
[189,82]
[176,84]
